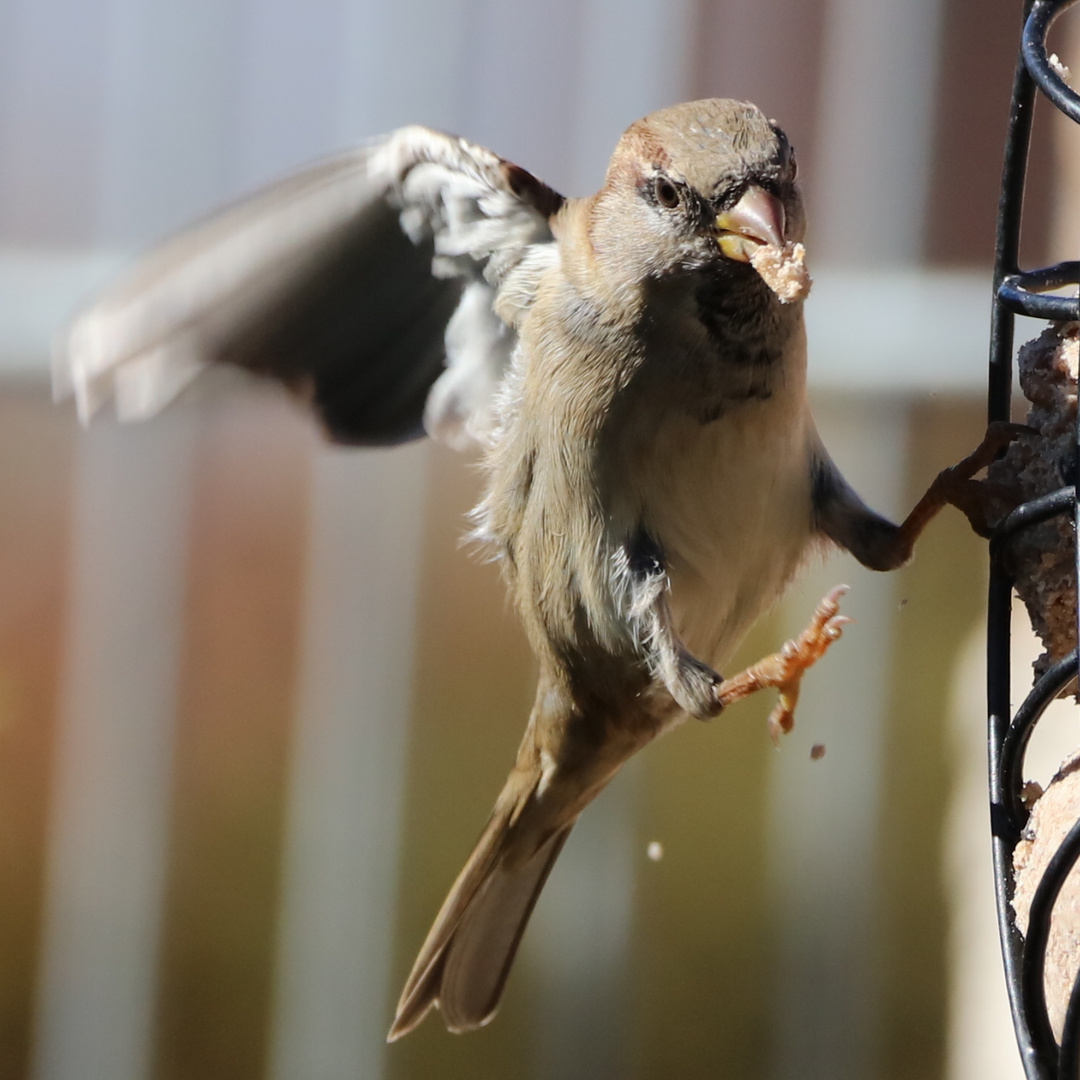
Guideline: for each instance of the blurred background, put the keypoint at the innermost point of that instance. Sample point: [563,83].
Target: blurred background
[255,703]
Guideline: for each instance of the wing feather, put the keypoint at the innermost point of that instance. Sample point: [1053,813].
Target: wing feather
[362,282]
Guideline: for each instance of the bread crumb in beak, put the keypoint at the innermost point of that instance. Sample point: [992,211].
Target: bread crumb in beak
[783,270]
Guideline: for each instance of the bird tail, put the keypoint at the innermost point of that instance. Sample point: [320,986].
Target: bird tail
[463,965]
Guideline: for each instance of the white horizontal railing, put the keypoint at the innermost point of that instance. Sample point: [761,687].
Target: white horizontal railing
[870,330]
[40,289]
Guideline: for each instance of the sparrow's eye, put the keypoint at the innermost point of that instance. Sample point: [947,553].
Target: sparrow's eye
[667,194]
[786,156]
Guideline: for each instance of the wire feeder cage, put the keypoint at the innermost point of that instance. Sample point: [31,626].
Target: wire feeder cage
[1020,292]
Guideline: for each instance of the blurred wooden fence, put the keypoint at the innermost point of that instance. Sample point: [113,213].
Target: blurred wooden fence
[254,704]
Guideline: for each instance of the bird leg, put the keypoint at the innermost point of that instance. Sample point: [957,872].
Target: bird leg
[785,669]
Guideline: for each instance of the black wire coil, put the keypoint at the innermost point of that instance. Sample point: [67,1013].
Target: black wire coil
[1020,292]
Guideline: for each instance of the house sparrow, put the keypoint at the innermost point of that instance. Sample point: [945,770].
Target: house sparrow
[634,366]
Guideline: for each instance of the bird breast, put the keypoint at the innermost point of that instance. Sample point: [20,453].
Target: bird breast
[721,483]
[653,425]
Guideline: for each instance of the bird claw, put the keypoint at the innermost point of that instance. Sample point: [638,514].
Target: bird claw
[999,435]
[955,486]
[825,626]
[980,501]
[785,669]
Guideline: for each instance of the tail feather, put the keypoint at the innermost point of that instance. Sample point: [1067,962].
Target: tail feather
[483,947]
[463,965]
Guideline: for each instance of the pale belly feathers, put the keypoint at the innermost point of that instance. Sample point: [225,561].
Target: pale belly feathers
[729,504]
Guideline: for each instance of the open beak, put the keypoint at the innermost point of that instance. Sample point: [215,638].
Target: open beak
[756,219]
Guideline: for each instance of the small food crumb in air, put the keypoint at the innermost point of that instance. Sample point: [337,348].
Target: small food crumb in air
[817,751]
[655,851]
[903,604]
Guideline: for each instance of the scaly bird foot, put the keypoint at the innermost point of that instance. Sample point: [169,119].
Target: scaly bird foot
[785,669]
[977,500]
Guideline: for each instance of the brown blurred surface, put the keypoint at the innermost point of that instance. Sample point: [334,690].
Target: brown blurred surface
[942,597]
[702,962]
[473,691]
[246,558]
[699,997]
[37,446]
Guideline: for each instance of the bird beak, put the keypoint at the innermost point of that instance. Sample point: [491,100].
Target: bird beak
[756,219]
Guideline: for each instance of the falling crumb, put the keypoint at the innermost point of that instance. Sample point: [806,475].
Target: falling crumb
[783,270]
[903,604]
[817,751]
[655,851]
[1061,68]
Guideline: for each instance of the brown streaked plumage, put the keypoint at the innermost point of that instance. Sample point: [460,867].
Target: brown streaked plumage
[654,477]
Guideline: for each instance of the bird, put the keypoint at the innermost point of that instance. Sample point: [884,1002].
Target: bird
[632,366]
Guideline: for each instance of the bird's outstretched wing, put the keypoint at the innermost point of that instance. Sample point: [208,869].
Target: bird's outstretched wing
[366,283]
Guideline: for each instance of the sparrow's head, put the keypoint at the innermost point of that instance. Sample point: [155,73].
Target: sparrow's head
[701,184]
